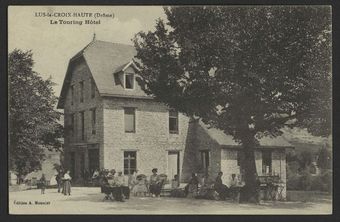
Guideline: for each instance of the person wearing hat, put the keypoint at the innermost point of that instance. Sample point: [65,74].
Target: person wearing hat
[155,183]
[115,187]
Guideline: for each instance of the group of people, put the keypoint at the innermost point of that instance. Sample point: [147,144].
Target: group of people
[118,188]
[63,182]
[206,188]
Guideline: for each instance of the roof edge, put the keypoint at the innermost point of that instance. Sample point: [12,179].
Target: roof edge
[126,96]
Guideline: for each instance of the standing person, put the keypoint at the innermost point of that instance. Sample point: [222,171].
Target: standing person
[155,183]
[220,188]
[42,184]
[58,178]
[67,183]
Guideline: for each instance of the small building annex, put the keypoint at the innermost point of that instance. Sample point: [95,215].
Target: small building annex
[111,123]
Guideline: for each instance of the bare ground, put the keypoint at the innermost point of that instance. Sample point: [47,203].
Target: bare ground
[86,200]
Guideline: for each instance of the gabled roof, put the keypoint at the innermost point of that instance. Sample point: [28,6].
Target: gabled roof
[226,141]
[103,60]
[125,66]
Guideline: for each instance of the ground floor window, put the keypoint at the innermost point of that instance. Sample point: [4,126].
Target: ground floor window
[130,162]
[93,155]
[266,162]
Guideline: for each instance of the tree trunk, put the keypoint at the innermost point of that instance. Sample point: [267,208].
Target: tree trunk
[250,189]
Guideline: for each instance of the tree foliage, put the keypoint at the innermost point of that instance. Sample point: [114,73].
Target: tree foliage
[325,158]
[249,71]
[33,121]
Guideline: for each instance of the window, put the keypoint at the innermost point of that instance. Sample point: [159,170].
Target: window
[82,120]
[93,89]
[72,124]
[81,91]
[205,159]
[266,162]
[173,122]
[93,114]
[129,120]
[72,94]
[130,162]
[129,81]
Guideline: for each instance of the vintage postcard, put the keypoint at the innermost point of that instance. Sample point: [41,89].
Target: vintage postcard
[170,110]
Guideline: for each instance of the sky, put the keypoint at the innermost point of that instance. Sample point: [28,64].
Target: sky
[54,44]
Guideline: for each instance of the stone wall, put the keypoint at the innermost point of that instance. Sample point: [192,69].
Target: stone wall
[152,140]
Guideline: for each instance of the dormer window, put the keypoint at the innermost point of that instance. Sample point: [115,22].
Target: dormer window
[129,81]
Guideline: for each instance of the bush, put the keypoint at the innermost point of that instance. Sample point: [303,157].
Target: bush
[306,180]
[318,184]
[293,182]
[327,177]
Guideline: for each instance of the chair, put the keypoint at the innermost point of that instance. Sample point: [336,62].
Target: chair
[107,191]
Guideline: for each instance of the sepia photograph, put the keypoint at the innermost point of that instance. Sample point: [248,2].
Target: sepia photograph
[170,110]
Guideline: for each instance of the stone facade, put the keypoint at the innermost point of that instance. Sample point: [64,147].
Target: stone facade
[151,140]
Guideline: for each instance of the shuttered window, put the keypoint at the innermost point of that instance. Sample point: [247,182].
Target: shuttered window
[72,94]
[205,159]
[81,91]
[129,120]
[93,112]
[82,120]
[173,122]
[93,88]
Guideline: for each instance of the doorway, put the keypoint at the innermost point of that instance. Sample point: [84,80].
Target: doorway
[173,164]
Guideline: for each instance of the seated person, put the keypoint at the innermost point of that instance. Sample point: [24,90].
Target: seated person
[114,186]
[206,191]
[175,182]
[175,190]
[96,177]
[192,187]
[132,181]
[220,188]
[234,187]
[155,183]
[120,182]
[140,188]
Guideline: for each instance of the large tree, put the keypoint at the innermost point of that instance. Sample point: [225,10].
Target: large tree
[249,71]
[33,121]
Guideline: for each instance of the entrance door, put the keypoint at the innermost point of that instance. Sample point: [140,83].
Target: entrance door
[93,159]
[173,164]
